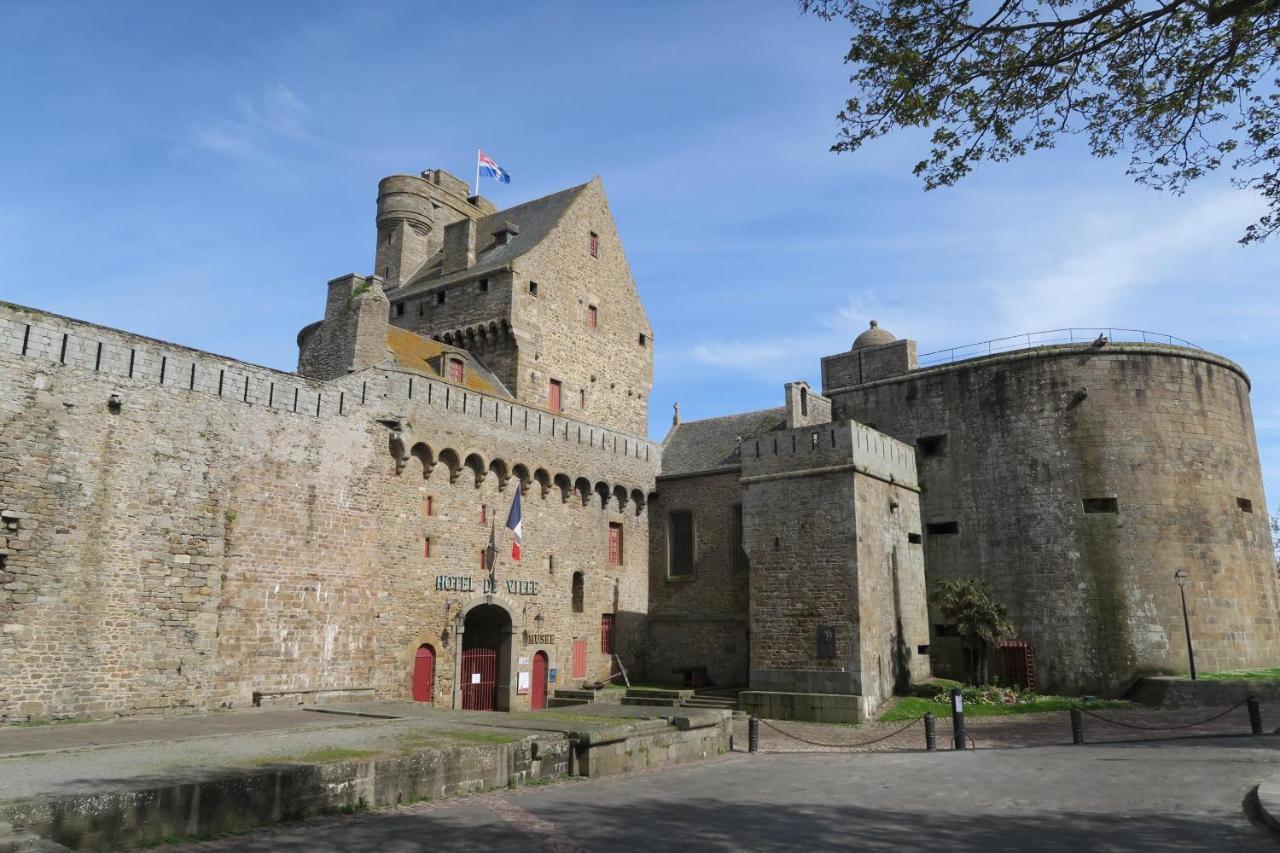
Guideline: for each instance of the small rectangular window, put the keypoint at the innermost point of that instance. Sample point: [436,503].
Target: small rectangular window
[533,288]
[942,528]
[1244,504]
[484,562]
[615,543]
[455,370]
[915,538]
[1101,505]
[644,341]
[440,298]
[428,506]
[399,309]
[484,513]
[484,285]
[680,551]
[593,317]
[582,398]
[595,245]
[426,547]
[931,446]
[606,633]
[922,650]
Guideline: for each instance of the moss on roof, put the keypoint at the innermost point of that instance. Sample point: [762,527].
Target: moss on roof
[421,355]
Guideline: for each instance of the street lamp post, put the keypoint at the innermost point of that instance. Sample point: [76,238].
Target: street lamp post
[1181,577]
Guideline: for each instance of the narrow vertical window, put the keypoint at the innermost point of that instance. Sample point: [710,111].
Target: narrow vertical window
[593,317]
[426,547]
[680,549]
[455,370]
[582,404]
[615,543]
[577,593]
[440,298]
[553,395]
[804,402]
[740,561]
[533,288]
[606,633]
[595,245]
[399,309]
[428,507]
[484,513]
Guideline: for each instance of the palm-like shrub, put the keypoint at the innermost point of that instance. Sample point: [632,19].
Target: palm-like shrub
[979,619]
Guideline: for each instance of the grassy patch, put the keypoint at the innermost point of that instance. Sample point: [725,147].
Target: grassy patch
[915,707]
[482,737]
[1264,674]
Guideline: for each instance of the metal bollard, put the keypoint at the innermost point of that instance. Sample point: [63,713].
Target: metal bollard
[957,717]
[1077,725]
[930,732]
[753,734]
[1255,715]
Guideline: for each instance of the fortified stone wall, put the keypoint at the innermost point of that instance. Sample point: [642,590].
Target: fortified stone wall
[1076,481]
[267,532]
[699,620]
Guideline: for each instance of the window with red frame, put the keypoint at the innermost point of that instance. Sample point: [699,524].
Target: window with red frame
[595,245]
[455,370]
[606,633]
[615,543]
[593,317]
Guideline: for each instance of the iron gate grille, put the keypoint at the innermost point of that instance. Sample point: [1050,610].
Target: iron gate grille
[478,693]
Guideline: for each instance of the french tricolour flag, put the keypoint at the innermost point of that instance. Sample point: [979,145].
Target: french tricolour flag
[487,167]
[514,524]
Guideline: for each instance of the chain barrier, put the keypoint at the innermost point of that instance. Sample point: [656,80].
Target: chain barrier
[1143,728]
[842,745]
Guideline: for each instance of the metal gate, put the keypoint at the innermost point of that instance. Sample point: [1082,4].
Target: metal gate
[479,679]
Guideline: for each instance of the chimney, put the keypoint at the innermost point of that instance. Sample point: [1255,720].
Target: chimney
[459,246]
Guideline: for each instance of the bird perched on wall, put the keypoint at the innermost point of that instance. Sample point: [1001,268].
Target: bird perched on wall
[1100,341]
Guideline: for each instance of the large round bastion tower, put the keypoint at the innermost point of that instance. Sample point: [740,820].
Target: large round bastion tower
[1076,473]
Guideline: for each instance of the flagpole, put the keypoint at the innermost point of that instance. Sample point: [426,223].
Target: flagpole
[477,192]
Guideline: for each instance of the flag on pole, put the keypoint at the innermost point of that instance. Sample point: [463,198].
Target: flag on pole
[486,166]
[513,524]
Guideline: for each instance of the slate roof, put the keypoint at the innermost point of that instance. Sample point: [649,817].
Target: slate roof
[535,219]
[416,353]
[713,443]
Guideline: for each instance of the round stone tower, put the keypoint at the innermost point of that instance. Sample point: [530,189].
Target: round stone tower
[1075,480]
[407,233]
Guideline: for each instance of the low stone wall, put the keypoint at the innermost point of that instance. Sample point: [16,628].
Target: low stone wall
[1166,692]
[811,707]
[650,744]
[235,801]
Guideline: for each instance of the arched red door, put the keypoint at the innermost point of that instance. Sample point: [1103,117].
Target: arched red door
[538,697]
[424,673]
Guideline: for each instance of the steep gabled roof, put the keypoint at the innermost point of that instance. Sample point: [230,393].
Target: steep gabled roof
[713,443]
[535,220]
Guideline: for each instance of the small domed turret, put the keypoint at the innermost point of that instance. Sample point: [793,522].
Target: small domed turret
[874,337]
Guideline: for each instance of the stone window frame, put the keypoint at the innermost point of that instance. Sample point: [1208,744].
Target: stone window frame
[739,560]
[593,244]
[693,544]
[593,317]
[611,557]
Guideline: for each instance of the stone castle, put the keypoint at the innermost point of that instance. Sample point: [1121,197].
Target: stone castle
[183,530]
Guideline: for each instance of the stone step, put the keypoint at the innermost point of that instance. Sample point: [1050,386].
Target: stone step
[571,693]
[679,695]
[565,702]
[650,702]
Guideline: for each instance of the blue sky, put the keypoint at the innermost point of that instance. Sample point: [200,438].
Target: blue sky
[197,171]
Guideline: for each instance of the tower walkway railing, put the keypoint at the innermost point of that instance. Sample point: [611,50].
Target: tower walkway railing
[1052,337]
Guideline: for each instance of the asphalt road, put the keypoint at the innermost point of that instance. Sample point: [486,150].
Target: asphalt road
[1166,796]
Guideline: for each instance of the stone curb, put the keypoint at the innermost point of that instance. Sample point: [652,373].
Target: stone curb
[1268,793]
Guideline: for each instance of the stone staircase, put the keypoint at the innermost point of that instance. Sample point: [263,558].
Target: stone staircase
[656,698]
[721,698]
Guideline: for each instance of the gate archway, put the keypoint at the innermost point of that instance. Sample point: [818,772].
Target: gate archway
[485,661]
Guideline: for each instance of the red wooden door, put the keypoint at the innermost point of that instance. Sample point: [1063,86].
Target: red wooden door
[479,679]
[538,698]
[424,674]
[554,396]
[579,658]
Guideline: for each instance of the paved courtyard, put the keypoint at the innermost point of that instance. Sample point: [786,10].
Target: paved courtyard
[1162,795]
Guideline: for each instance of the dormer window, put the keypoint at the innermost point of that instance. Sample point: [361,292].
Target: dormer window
[595,245]
[455,370]
[440,298]
[504,234]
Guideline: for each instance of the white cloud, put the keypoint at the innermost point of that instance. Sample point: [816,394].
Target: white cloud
[273,115]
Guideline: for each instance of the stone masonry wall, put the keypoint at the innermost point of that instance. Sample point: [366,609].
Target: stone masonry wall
[699,620]
[189,547]
[1158,440]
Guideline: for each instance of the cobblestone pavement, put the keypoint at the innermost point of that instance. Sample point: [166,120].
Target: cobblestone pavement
[1025,730]
[1185,795]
